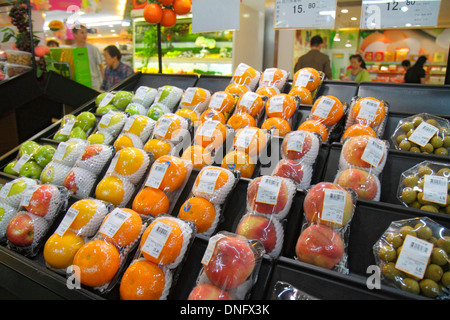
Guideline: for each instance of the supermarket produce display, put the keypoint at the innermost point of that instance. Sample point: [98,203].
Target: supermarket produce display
[254,186]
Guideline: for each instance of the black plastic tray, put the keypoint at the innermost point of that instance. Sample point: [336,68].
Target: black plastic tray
[213,83]
[343,90]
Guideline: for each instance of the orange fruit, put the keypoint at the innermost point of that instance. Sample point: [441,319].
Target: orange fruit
[251,140]
[273,77]
[110,189]
[221,180]
[59,251]
[193,97]
[267,91]
[129,230]
[125,141]
[240,120]
[251,103]
[199,211]
[139,124]
[169,126]
[157,147]
[236,89]
[152,13]
[315,126]
[169,18]
[175,173]
[369,111]
[166,2]
[308,78]
[358,130]
[279,125]
[142,280]
[129,161]
[245,75]
[281,105]
[222,101]
[151,201]
[86,209]
[181,7]
[211,133]
[240,161]
[211,114]
[171,248]
[198,155]
[327,109]
[303,93]
[98,262]
[188,113]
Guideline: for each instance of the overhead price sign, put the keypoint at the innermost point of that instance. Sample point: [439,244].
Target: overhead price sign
[215,15]
[295,14]
[381,14]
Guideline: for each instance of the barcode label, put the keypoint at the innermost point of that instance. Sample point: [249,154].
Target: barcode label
[374,151]
[129,123]
[157,174]
[27,195]
[68,126]
[113,222]
[241,68]
[248,99]
[140,93]
[163,125]
[268,190]
[217,100]
[413,258]
[60,151]
[435,189]
[423,133]
[368,109]
[268,75]
[5,189]
[106,99]
[295,141]
[19,164]
[333,205]
[67,221]
[207,181]
[208,127]
[188,95]
[210,248]
[323,107]
[302,79]
[106,118]
[276,103]
[156,239]
[244,137]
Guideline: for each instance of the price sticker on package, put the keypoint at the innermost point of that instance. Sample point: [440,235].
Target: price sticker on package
[156,175]
[323,107]
[333,205]
[423,133]
[68,126]
[27,195]
[245,137]
[248,99]
[114,221]
[268,190]
[276,104]
[140,93]
[296,141]
[106,118]
[188,95]
[4,191]
[207,181]
[163,126]
[210,248]
[414,256]
[19,164]
[106,100]
[303,78]
[374,151]
[156,239]
[268,75]
[67,221]
[60,151]
[208,127]
[368,109]
[435,189]
[217,101]
[129,123]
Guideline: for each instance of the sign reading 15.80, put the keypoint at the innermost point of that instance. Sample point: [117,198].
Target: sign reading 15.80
[299,7]
[305,14]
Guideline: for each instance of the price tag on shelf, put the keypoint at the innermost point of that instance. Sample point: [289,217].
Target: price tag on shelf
[317,14]
[377,14]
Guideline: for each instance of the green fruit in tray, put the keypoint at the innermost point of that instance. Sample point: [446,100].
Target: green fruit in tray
[44,155]
[85,120]
[100,98]
[105,109]
[30,169]
[8,168]
[28,147]
[78,132]
[155,112]
[66,118]
[60,137]
[122,99]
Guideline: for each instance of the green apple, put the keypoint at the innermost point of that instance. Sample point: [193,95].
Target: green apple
[28,147]
[60,137]
[105,109]
[8,168]
[122,99]
[100,98]
[96,138]
[30,169]
[115,119]
[155,112]
[78,132]
[85,120]
[44,154]
[135,108]
[66,118]
[48,174]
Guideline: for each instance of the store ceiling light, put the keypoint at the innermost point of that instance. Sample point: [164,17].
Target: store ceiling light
[353,18]
[348,44]
[344,10]
[337,38]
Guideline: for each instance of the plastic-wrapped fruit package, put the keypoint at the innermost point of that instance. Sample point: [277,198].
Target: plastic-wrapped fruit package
[130,163]
[195,99]
[282,108]
[413,256]
[365,113]
[308,78]
[302,93]
[38,209]
[135,108]
[425,186]
[140,126]
[79,224]
[171,127]
[198,155]
[423,133]
[301,146]
[251,103]
[95,157]
[247,76]
[366,184]
[285,291]
[169,97]
[145,96]
[79,126]
[114,189]
[267,91]
[163,185]
[274,77]
[236,89]
[230,266]
[80,182]
[158,260]
[223,102]
[240,120]
[159,147]
[299,172]
[103,102]
[98,262]
[12,192]
[112,122]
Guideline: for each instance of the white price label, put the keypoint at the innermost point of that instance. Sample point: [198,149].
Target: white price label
[323,108]
[435,189]
[368,109]
[5,189]
[106,118]
[67,128]
[413,258]
[377,14]
[208,127]
[106,99]
[156,239]
[295,141]
[423,133]
[207,181]
[163,125]
[248,99]
[268,190]
[317,14]
[27,195]
[217,100]
[188,95]
[113,222]
[333,205]
[130,122]
[157,174]
[19,164]
[67,221]
[374,151]
[276,104]
[303,78]
[268,75]
[210,248]
[140,93]
[244,137]
[60,151]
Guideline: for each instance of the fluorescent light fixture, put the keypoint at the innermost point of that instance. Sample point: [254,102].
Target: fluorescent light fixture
[337,38]
[344,10]
[112,30]
[126,23]
[348,44]
[353,18]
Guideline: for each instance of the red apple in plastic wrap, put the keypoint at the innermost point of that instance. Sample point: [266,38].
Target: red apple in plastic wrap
[267,208]
[353,149]
[91,151]
[296,153]
[231,263]
[320,245]
[314,203]
[208,291]
[41,199]
[289,169]
[20,230]
[260,228]
[362,182]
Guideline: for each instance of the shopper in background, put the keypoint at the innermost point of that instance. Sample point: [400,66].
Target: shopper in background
[315,59]
[52,44]
[358,71]
[95,57]
[406,64]
[115,70]
[417,74]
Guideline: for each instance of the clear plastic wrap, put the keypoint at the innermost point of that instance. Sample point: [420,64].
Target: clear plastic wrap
[310,79]
[230,268]
[251,103]
[247,76]
[195,99]
[115,189]
[145,96]
[286,291]
[274,77]
[223,102]
[130,163]
[413,256]
[303,94]
[267,91]
[425,186]
[299,172]
[301,146]
[108,128]
[169,96]
[424,133]
[280,110]
[171,127]
[79,126]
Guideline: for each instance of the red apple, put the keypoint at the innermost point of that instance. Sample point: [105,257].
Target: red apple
[260,228]
[20,230]
[320,245]
[266,208]
[362,182]
[353,150]
[299,143]
[40,200]
[91,151]
[314,200]
[208,291]
[289,169]
[231,263]
[70,182]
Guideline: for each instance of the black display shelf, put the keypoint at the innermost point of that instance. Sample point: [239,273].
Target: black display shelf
[213,83]
[343,90]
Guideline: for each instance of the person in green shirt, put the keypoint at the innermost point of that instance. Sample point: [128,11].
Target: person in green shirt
[358,71]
